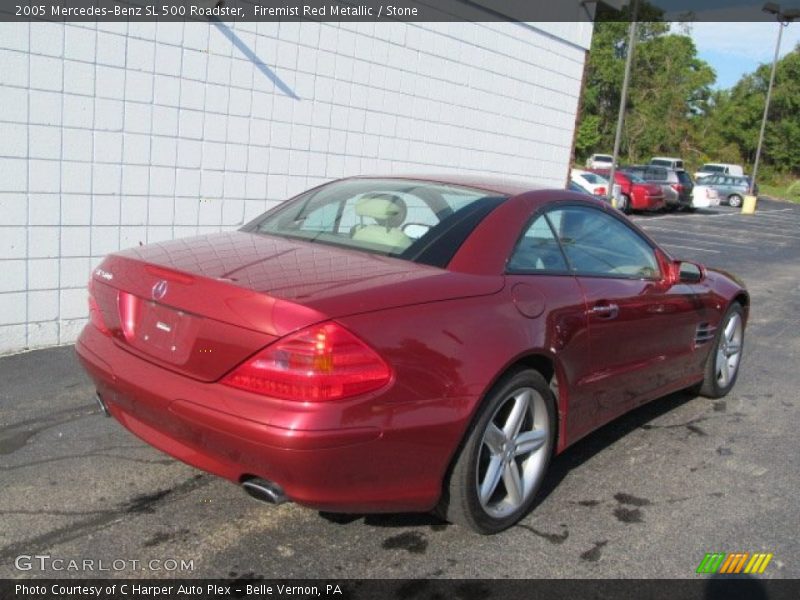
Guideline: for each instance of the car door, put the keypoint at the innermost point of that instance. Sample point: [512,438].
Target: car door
[641,328]
[723,186]
[545,291]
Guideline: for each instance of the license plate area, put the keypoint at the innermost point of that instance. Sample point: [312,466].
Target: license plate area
[161,331]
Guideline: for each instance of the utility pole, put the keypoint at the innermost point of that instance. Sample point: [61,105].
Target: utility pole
[784,18]
[623,99]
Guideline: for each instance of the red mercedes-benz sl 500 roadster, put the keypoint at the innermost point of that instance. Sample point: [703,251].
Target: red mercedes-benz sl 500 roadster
[404,343]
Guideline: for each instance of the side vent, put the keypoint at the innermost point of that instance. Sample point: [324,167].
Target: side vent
[705,333]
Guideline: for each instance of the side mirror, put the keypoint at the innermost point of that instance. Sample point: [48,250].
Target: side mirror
[684,271]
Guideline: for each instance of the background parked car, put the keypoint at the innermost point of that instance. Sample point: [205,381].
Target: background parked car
[676,184]
[731,189]
[704,196]
[719,169]
[599,161]
[667,161]
[592,182]
[636,193]
[574,187]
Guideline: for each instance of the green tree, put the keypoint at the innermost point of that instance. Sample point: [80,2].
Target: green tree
[670,90]
[604,74]
[669,98]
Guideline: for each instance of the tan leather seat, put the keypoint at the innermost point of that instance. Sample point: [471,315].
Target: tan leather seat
[388,211]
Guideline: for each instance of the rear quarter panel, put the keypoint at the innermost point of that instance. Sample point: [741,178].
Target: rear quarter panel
[446,356]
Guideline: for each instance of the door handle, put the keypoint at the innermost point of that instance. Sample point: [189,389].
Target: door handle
[605,311]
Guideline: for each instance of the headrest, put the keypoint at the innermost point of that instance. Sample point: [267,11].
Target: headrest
[381,207]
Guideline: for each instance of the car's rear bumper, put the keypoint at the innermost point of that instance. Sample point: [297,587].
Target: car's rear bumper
[337,458]
[674,199]
[703,201]
[648,202]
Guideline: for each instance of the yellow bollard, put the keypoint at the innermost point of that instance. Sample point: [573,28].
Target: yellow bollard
[749,205]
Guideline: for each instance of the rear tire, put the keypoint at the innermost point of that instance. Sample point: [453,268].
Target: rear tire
[624,204]
[722,365]
[735,200]
[502,463]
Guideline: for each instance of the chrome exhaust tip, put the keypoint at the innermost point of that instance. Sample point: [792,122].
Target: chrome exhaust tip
[102,405]
[264,490]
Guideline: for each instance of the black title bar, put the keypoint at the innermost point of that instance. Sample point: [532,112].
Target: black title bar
[705,588]
[372,10]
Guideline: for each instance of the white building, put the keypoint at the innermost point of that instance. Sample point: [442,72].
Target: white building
[115,134]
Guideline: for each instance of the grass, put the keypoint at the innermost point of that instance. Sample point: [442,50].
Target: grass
[787,190]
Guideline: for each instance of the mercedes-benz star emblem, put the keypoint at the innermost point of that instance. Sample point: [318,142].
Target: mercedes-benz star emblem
[159,289]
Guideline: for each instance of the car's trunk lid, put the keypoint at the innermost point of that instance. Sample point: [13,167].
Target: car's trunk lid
[202,305]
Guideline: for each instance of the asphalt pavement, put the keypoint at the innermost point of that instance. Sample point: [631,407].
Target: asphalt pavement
[646,496]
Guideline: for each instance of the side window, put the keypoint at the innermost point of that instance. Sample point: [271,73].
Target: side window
[537,250]
[655,174]
[420,218]
[598,244]
[328,219]
[321,219]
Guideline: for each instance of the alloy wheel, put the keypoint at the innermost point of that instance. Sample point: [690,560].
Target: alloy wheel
[512,456]
[729,350]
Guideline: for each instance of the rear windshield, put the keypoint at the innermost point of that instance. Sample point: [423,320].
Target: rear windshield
[394,217]
[594,178]
[665,162]
[713,169]
[574,187]
[603,158]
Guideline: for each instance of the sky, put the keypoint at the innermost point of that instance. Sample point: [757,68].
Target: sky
[734,49]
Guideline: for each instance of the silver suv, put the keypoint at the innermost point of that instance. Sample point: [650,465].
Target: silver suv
[731,189]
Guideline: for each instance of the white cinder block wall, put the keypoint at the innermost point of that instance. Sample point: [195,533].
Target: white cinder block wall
[115,134]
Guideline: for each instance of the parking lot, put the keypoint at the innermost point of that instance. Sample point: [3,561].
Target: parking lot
[646,496]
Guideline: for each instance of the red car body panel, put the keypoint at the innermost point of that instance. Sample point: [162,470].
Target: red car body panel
[319,281]
[448,334]
[644,196]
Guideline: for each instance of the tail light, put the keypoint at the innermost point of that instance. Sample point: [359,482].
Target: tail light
[128,305]
[678,187]
[600,191]
[95,314]
[322,362]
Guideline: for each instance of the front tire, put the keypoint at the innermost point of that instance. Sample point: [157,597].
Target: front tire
[722,365]
[505,456]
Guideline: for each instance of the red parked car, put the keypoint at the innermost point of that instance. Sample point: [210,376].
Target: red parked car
[637,194]
[403,344]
